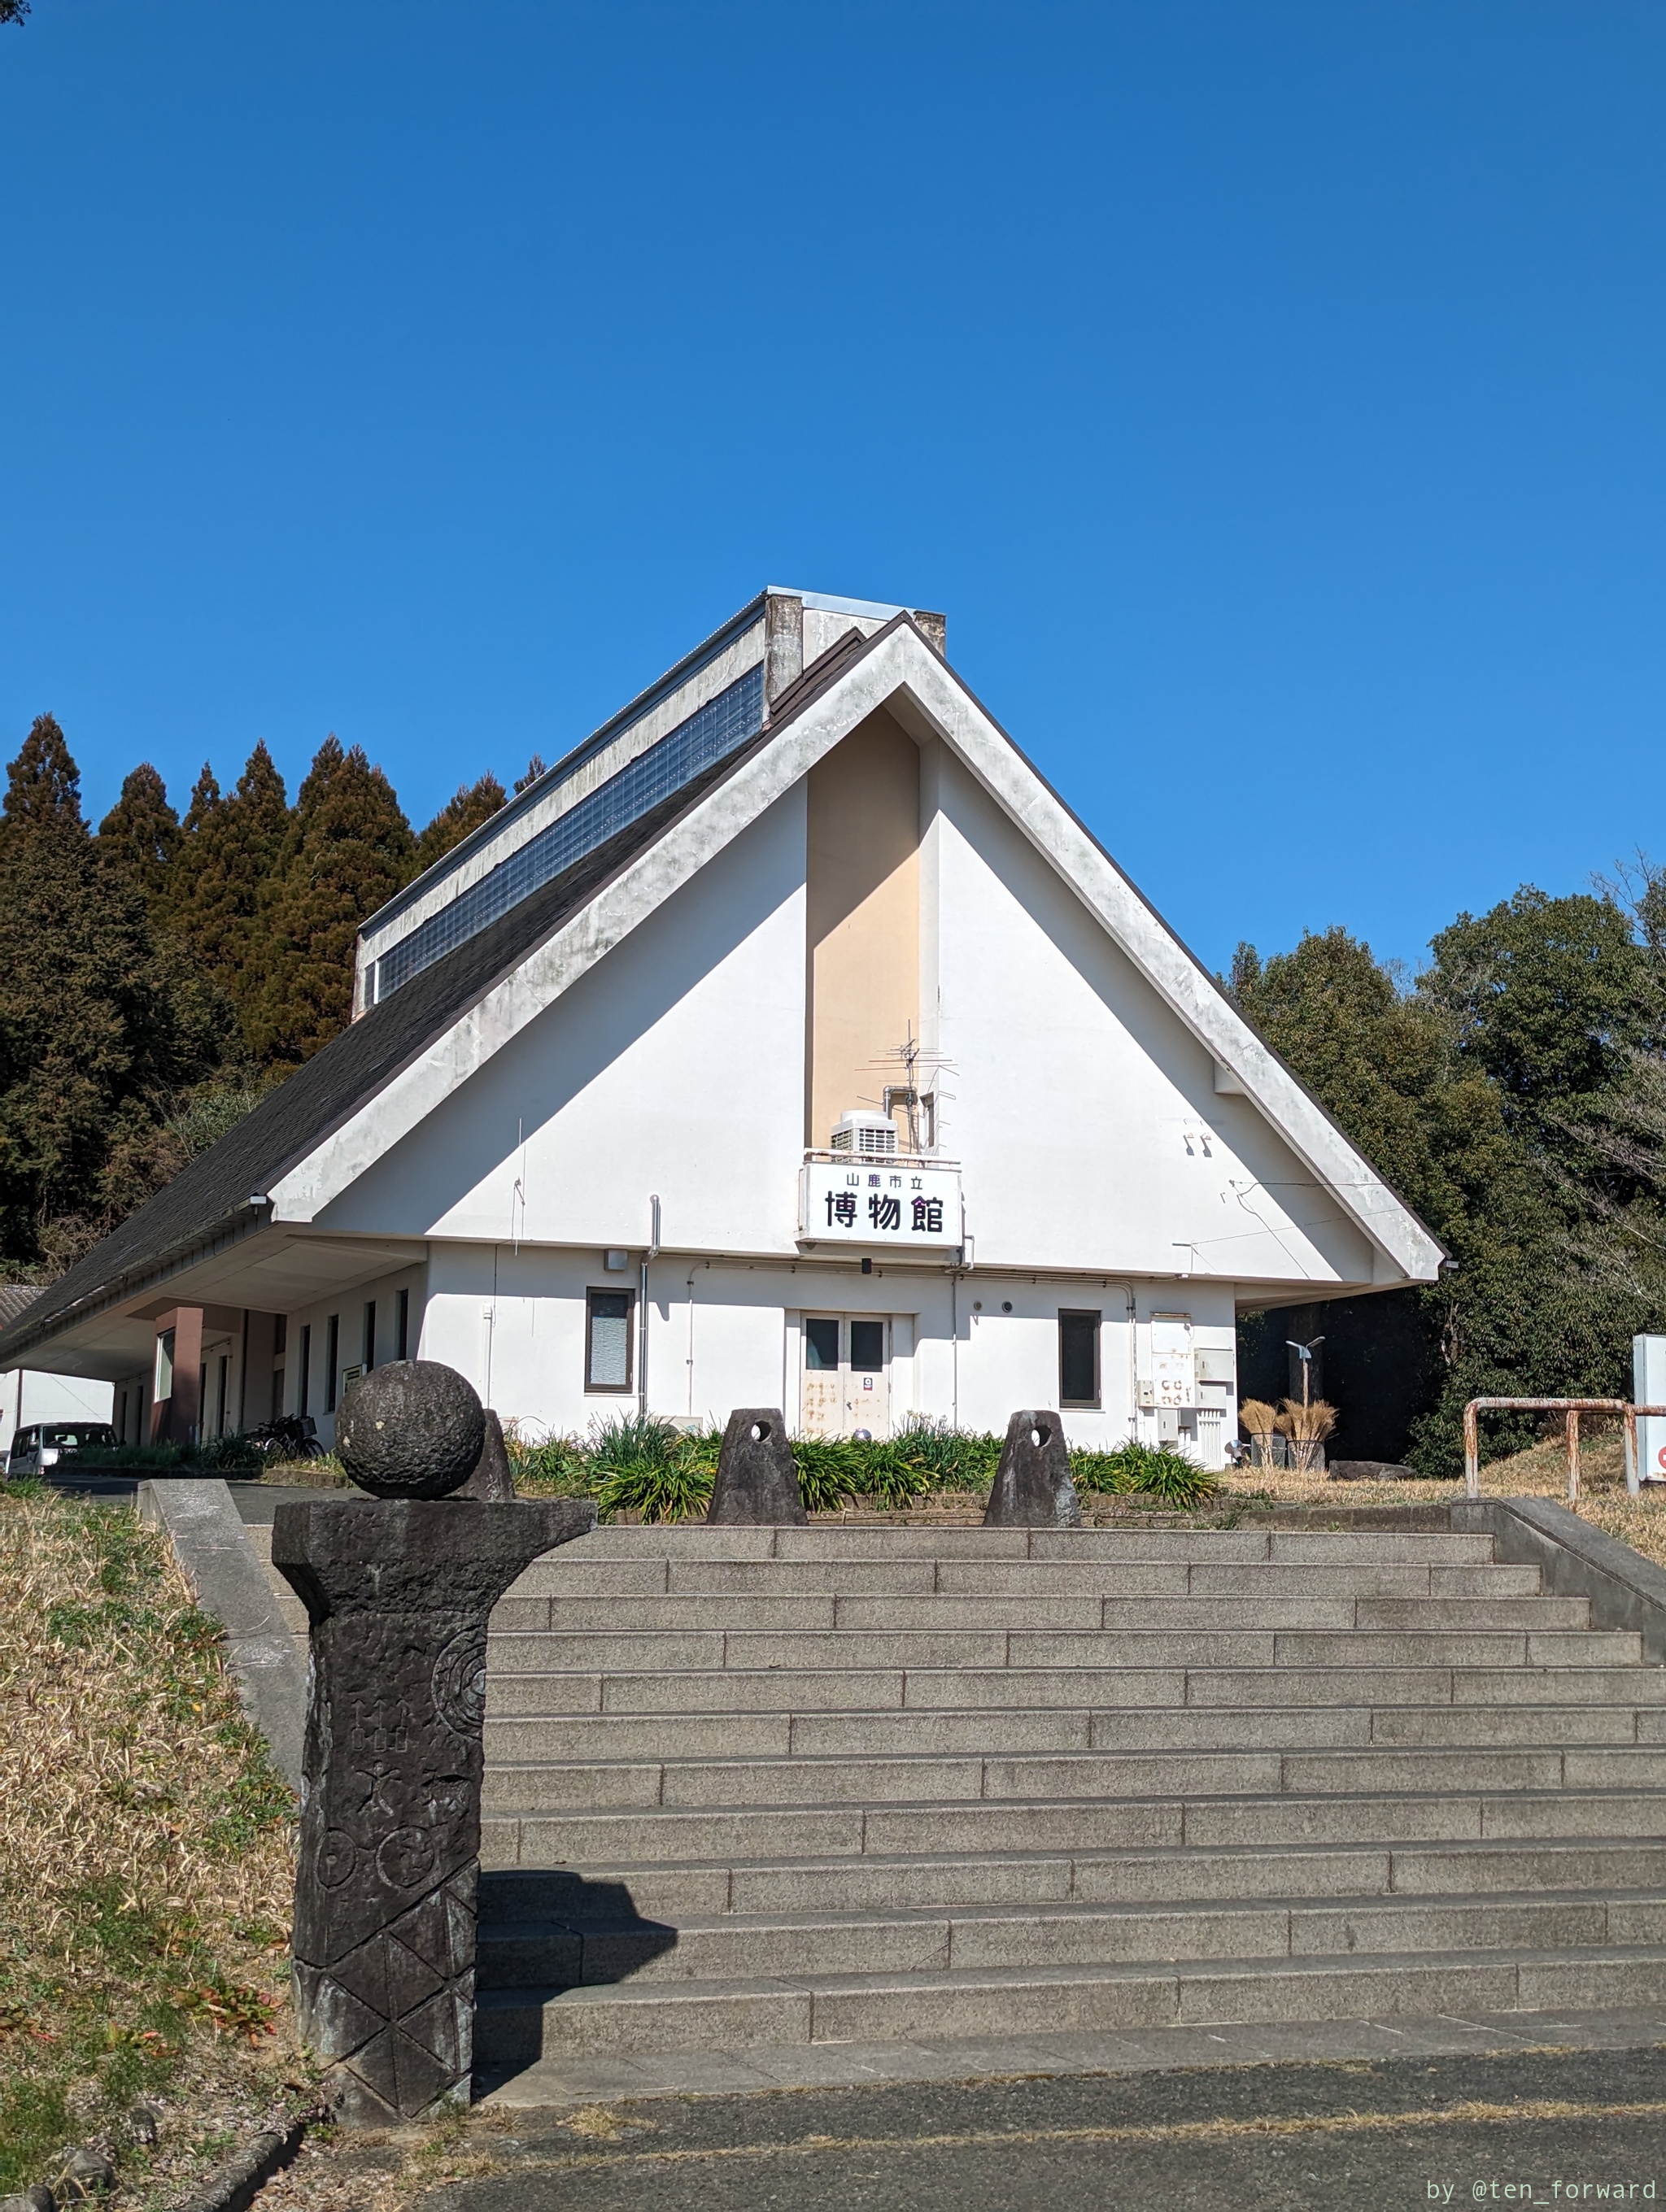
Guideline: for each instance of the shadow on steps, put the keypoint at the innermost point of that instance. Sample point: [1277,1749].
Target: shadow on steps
[555,1929]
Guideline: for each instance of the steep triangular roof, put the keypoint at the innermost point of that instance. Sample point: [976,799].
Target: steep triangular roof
[312,1139]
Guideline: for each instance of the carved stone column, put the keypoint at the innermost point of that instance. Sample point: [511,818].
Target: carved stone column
[398,1590]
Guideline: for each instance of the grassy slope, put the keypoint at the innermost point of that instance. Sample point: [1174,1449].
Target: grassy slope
[146,1865]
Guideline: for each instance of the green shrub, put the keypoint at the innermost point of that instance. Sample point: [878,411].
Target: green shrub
[158,1455]
[1148,1470]
[631,1462]
[637,1462]
[557,1467]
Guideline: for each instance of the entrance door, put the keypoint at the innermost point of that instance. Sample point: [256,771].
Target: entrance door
[846,1375]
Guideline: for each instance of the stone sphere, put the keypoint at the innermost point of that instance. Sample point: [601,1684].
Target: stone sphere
[412,1429]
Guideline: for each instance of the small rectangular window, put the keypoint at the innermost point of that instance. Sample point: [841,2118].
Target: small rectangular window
[821,1343]
[304,1395]
[1078,1358]
[164,1375]
[277,1392]
[331,1360]
[221,1392]
[607,1340]
[280,1335]
[867,1346]
[402,1326]
[369,1358]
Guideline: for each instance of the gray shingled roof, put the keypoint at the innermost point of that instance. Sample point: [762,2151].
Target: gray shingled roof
[210,1194]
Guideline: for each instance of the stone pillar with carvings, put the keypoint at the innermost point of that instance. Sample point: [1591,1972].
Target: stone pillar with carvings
[398,1587]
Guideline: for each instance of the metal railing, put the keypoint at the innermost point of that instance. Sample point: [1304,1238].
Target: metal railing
[1570,1408]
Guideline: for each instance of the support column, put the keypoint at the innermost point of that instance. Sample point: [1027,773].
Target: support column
[178,1418]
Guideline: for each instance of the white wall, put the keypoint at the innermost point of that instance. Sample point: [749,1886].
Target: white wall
[723,1335]
[676,1064]
[1084,1112]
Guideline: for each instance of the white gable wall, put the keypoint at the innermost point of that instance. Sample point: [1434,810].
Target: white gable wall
[675,1065]
[1083,1111]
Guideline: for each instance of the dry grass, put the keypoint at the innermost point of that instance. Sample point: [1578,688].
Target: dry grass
[1540,1471]
[146,1865]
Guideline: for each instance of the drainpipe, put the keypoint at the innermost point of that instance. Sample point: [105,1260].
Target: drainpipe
[652,1254]
[1133,1357]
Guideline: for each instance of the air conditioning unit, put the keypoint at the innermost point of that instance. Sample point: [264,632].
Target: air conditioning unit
[865,1136]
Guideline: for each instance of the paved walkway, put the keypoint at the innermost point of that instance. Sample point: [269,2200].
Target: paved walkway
[851,2065]
[1545,2126]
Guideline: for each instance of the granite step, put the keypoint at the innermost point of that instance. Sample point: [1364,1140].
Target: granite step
[530,1788]
[596,1951]
[517,1686]
[1184,1875]
[626,1648]
[519,2025]
[567,1738]
[725,1833]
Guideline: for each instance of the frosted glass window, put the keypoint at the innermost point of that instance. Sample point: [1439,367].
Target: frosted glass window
[607,1350]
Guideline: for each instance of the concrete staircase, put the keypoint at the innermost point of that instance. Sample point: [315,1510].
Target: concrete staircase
[760,1787]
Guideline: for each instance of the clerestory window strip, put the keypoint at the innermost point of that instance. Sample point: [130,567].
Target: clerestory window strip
[714,730]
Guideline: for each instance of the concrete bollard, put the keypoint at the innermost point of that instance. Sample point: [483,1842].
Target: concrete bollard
[1033,1487]
[398,1587]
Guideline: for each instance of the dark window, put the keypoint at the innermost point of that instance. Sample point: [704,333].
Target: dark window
[821,1343]
[331,1360]
[304,1396]
[1078,1358]
[607,1340]
[280,1335]
[369,1334]
[221,1392]
[402,1326]
[867,1346]
[277,1392]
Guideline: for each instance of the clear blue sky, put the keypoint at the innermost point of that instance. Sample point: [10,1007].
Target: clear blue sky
[1271,395]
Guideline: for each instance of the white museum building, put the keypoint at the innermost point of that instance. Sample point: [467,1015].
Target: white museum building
[789,1042]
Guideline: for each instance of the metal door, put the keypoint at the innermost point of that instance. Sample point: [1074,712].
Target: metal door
[867,1376]
[847,1375]
[822,1412]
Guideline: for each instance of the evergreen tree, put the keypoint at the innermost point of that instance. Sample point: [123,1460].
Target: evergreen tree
[535,767]
[473,803]
[1547,995]
[234,852]
[98,1032]
[139,838]
[43,784]
[1432,1087]
[347,850]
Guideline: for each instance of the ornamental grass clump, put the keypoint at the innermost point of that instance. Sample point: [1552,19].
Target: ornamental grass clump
[1136,1470]
[1260,1423]
[146,1857]
[1307,1425]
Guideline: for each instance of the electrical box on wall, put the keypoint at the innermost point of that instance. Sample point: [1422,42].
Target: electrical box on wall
[1173,1362]
[1217,1365]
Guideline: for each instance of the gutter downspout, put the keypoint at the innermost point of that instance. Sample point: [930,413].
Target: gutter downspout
[651,1255]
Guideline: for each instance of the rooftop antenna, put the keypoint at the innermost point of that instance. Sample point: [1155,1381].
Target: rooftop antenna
[914,1061]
